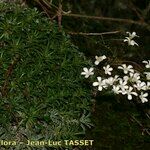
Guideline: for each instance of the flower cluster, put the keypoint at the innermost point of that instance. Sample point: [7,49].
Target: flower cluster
[130,40]
[128,81]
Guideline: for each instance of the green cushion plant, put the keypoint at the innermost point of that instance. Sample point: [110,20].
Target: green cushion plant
[42,95]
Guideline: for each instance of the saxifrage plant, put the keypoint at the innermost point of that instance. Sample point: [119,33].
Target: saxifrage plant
[132,82]
[42,94]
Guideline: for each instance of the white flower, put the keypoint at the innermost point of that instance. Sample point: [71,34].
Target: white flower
[134,77]
[116,89]
[87,72]
[147,75]
[147,63]
[99,59]
[143,97]
[100,83]
[129,39]
[111,80]
[130,42]
[126,78]
[131,36]
[123,86]
[105,83]
[108,69]
[130,93]
[140,86]
[148,86]
[116,78]
[126,68]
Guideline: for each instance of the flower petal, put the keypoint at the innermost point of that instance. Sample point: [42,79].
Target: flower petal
[91,69]
[129,97]
[86,76]
[95,83]
[100,88]
[83,73]
[96,62]
[85,69]
[99,79]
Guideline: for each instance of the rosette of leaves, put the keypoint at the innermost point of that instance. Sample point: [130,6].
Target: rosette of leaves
[42,96]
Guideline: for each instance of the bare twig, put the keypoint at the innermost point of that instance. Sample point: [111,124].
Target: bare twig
[93,34]
[128,21]
[44,8]
[63,13]
[59,15]
[132,62]
[136,10]
[143,129]
[147,9]
[8,73]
